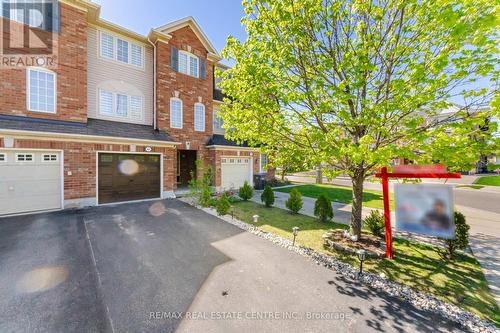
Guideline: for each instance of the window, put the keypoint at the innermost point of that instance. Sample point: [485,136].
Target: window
[107,46]
[49,158]
[188,64]
[199,117]
[3,158]
[24,157]
[121,50]
[120,105]
[175,113]
[41,90]
[263,162]
[218,123]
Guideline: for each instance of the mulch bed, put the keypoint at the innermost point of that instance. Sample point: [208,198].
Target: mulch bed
[335,239]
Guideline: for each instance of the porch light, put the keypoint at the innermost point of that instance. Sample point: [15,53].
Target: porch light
[255,218]
[361,256]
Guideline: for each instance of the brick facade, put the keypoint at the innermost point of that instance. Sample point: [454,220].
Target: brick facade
[71,70]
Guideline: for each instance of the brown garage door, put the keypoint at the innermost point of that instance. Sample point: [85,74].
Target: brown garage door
[127,177]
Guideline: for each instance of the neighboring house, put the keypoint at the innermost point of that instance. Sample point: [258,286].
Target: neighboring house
[122,117]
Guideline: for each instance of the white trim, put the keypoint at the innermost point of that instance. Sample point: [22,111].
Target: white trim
[87,138]
[115,49]
[221,147]
[28,87]
[182,112]
[16,160]
[204,117]
[97,152]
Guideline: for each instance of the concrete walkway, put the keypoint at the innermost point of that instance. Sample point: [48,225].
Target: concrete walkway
[484,233]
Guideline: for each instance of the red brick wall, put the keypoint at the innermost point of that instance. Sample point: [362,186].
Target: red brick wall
[80,160]
[71,74]
[189,88]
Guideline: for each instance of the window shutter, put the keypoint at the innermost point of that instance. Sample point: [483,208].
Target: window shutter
[175,59]
[203,71]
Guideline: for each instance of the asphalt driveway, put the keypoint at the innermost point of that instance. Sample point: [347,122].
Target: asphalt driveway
[164,266]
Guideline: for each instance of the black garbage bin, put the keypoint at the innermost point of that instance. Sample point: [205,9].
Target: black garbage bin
[259,181]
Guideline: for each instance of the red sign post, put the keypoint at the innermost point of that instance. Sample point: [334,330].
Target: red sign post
[406,171]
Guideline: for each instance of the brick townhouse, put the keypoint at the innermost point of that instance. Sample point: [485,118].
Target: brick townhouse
[121,117]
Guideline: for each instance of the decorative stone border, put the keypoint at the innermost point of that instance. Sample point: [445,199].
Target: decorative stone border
[416,298]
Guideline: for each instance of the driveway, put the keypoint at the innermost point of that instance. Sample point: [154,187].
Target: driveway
[147,267]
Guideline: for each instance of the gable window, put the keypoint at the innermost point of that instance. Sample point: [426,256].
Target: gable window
[41,90]
[199,117]
[120,105]
[188,63]
[175,113]
[24,157]
[3,158]
[263,162]
[49,158]
[123,51]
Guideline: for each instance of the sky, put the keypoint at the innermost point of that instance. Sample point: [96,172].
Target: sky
[218,19]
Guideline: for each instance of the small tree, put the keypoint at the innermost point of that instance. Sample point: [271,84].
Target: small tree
[461,240]
[223,205]
[375,223]
[246,192]
[323,209]
[294,202]
[267,196]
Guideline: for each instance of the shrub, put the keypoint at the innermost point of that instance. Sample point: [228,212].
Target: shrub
[206,195]
[493,167]
[201,189]
[223,205]
[461,240]
[267,196]
[375,223]
[246,191]
[294,202]
[323,209]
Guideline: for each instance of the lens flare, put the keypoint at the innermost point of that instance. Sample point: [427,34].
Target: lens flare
[42,279]
[157,209]
[128,167]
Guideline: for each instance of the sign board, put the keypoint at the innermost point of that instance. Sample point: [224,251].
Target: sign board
[425,209]
[411,169]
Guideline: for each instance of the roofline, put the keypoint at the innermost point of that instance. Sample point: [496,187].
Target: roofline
[222,147]
[56,136]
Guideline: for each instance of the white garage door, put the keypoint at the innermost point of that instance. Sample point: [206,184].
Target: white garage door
[29,181]
[235,171]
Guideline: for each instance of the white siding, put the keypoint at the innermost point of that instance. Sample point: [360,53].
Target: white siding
[121,78]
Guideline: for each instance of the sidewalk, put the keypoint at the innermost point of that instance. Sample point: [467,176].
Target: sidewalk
[484,245]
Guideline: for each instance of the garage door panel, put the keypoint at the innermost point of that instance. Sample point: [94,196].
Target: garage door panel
[235,171]
[30,186]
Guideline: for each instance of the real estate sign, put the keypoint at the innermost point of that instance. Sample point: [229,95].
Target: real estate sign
[425,209]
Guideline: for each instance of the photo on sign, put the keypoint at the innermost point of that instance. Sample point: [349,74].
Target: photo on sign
[425,209]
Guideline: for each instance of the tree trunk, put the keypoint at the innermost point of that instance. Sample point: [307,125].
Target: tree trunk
[283,172]
[357,204]
[319,175]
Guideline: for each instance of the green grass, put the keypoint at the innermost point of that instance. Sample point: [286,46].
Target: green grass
[475,187]
[460,282]
[341,194]
[489,180]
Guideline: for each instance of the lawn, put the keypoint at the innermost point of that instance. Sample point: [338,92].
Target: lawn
[342,194]
[489,180]
[459,282]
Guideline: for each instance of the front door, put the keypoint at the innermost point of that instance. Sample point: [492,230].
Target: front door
[127,177]
[186,166]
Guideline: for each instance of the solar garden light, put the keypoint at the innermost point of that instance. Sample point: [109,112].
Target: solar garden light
[232,212]
[255,218]
[295,231]
[361,256]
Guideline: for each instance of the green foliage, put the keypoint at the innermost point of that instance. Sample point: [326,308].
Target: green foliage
[223,205]
[461,240]
[201,189]
[493,167]
[323,209]
[246,191]
[294,202]
[373,93]
[375,223]
[267,197]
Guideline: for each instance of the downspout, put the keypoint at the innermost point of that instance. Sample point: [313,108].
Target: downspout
[155,127]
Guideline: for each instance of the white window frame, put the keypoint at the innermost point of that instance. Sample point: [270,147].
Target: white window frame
[114,105]
[42,158]
[4,155]
[28,89]
[260,162]
[215,129]
[101,54]
[182,112]
[115,50]
[31,161]
[201,129]
[189,56]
